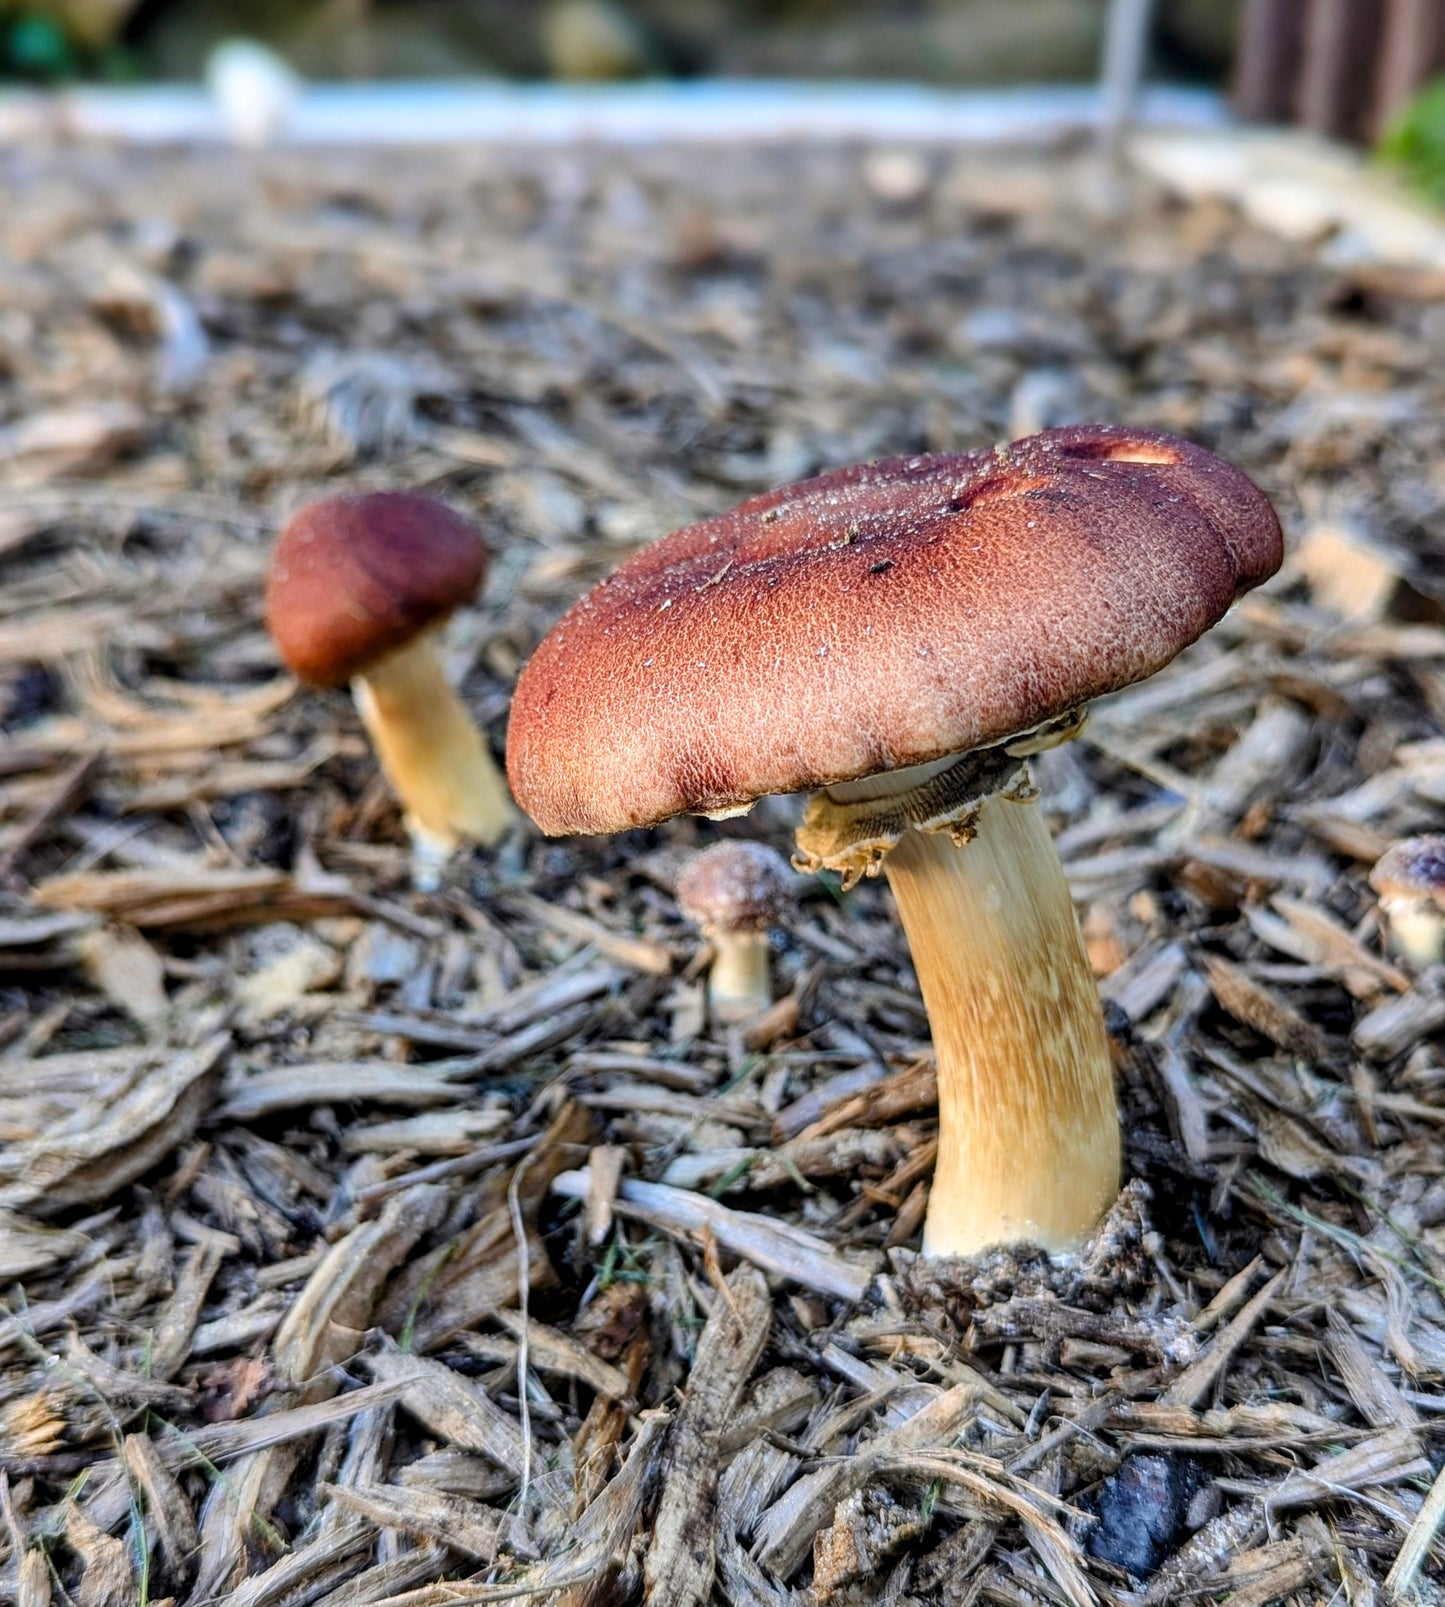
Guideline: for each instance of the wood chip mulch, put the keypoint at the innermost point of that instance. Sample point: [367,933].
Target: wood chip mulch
[363,1246]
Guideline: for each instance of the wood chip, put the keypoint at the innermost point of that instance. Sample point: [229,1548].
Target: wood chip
[464,1526]
[1195,1382]
[251,1095]
[681,1557]
[1256,1006]
[155,1109]
[776,1247]
[447,1404]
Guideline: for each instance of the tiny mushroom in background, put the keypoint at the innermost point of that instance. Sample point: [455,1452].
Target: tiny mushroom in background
[898,637]
[254,90]
[357,586]
[735,891]
[1410,879]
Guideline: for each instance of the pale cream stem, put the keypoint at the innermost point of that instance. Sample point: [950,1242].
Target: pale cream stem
[431,751]
[1415,929]
[1028,1126]
[739,986]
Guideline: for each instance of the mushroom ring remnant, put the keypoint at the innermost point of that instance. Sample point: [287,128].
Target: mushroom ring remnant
[357,584]
[896,638]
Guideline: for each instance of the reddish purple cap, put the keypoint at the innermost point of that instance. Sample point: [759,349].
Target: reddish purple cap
[355,577]
[878,617]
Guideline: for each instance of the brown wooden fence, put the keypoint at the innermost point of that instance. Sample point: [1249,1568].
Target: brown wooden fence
[1340,67]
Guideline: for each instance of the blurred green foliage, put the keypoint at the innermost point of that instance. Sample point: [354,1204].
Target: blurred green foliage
[1416,141]
[55,41]
[36,48]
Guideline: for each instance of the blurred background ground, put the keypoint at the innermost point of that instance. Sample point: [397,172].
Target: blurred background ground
[1365,71]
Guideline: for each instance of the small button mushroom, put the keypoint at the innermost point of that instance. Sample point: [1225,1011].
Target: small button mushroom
[358,587]
[254,89]
[897,638]
[735,891]
[1410,879]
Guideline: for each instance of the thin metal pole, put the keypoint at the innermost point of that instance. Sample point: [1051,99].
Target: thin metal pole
[1126,42]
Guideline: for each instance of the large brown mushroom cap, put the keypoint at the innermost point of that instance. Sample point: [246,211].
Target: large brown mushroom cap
[878,617]
[356,577]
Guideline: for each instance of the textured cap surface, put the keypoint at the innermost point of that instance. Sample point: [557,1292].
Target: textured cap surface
[353,578]
[880,616]
[736,887]
[1413,868]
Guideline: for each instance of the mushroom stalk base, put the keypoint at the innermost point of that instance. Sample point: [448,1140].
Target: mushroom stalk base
[739,986]
[432,752]
[1028,1127]
[1415,930]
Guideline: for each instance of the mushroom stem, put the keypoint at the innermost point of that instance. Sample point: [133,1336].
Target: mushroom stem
[1028,1128]
[739,986]
[431,751]
[1415,930]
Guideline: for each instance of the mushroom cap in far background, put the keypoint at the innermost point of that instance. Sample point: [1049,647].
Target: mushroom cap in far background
[1412,869]
[878,617]
[356,577]
[736,886]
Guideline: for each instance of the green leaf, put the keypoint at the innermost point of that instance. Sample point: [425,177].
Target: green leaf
[1415,141]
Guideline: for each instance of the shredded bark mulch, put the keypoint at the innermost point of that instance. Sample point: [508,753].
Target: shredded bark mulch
[366,1246]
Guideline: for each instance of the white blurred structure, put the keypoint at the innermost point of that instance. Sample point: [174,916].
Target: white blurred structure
[702,112]
[1121,72]
[255,91]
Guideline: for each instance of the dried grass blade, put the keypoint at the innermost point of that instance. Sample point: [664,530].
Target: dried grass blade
[1418,1542]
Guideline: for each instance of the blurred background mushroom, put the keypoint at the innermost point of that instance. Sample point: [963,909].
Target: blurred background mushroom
[357,589]
[1410,879]
[254,89]
[735,892]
